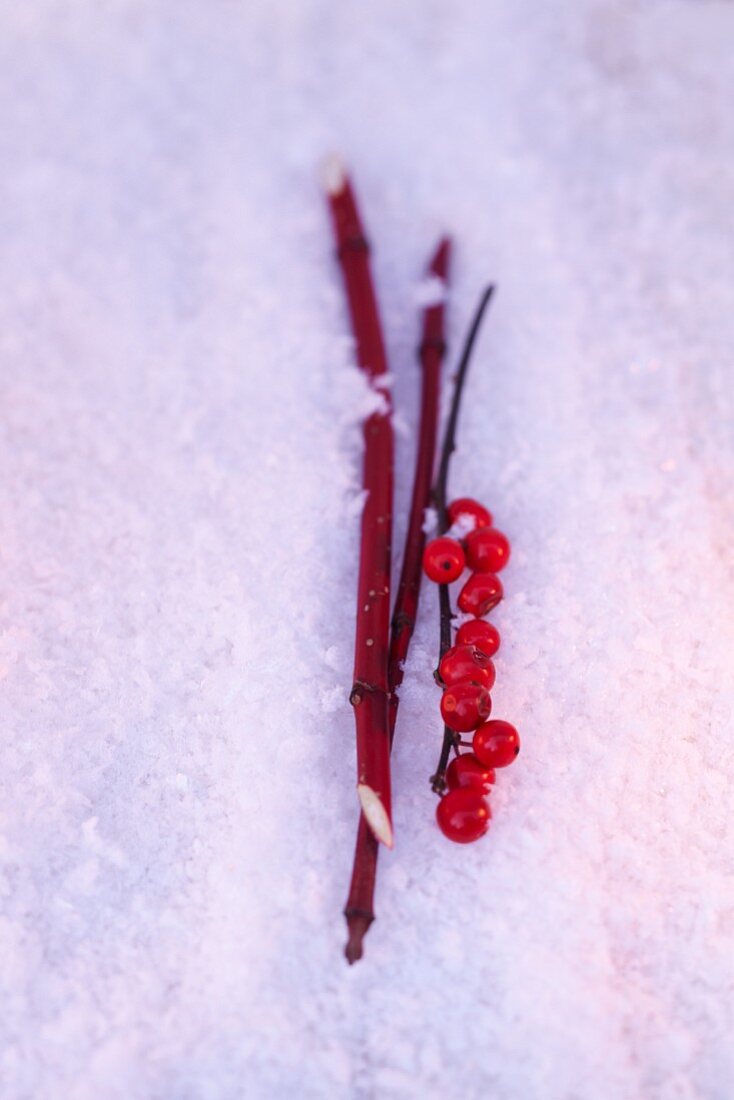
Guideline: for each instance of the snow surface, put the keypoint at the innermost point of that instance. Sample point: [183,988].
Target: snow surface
[180,492]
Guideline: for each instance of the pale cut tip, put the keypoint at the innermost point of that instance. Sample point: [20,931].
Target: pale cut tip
[375,814]
[333,174]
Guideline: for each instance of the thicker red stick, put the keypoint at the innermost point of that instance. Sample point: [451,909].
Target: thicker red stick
[369,695]
[360,903]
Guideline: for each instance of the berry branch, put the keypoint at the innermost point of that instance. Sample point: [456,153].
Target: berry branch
[465,670]
[359,910]
[438,780]
[370,690]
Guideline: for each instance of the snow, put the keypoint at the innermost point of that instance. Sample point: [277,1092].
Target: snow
[432,291]
[179,499]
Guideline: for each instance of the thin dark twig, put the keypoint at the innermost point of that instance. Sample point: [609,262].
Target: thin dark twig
[449,438]
[444,603]
[438,781]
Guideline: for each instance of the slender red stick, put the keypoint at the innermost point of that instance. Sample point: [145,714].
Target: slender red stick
[431,353]
[369,695]
[359,911]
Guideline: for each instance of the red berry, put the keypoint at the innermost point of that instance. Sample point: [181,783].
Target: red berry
[469,510]
[443,560]
[487,550]
[463,815]
[467,770]
[480,594]
[484,636]
[496,743]
[466,662]
[465,705]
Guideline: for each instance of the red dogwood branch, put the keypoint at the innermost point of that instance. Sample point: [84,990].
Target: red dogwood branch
[369,694]
[359,911]
[431,353]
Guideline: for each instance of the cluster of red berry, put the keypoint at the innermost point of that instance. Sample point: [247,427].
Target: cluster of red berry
[466,672]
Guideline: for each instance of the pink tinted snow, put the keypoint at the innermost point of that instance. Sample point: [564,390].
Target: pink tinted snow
[179,498]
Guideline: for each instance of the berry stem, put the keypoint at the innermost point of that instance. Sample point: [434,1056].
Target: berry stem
[438,780]
[369,694]
[359,911]
[449,438]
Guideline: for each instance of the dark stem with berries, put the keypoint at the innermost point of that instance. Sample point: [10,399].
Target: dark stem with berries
[438,780]
[359,910]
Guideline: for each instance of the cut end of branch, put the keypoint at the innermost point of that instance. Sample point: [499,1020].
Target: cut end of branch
[333,174]
[375,814]
[439,265]
[357,926]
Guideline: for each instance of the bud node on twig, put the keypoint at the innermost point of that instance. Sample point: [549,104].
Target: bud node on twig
[353,244]
[432,344]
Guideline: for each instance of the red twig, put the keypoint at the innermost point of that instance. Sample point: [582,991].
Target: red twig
[431,353]
[369,694]
[359,908]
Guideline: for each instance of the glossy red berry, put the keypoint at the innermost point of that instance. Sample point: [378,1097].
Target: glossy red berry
[466,662]
[465,705]
[487,550]
[484,636]
[496,743]
[443,560]
[480,594]
[463,815]
[467,770]
[470,512]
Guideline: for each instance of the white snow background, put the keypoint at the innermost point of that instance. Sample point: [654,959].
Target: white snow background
[180,498]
